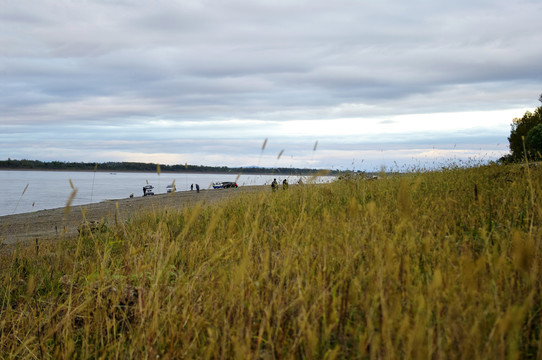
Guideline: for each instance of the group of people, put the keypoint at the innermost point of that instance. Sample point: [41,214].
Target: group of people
[275,185]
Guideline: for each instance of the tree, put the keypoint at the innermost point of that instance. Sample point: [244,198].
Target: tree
[519,129]
[533,142]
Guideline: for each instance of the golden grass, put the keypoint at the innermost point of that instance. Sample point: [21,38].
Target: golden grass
[442,264]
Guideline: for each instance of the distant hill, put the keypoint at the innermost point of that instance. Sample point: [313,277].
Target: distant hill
[24,164]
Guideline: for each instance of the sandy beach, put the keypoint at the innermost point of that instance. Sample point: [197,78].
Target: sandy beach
[54,223]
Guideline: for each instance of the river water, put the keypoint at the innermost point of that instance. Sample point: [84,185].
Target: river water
[27,191]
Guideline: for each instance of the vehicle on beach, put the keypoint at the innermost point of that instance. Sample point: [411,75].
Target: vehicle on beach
[171,188]
[148,190]
[224,185]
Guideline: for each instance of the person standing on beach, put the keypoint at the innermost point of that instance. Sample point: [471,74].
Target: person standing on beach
[284,184]
[191,187]
[197,188]
[274,185]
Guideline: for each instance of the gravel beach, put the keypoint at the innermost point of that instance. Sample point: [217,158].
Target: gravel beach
[55,223]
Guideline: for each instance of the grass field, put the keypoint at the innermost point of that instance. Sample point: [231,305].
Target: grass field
[442,264]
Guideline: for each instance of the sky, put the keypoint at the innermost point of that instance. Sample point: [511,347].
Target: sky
[348,85]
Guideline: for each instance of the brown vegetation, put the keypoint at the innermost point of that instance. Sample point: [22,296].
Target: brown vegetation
[441,264]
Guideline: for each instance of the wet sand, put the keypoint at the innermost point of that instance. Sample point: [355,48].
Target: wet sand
[55,223]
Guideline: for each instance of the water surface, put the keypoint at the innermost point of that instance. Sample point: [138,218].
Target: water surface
[52,189]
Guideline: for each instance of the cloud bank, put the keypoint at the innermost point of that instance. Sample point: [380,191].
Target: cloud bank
[205,82]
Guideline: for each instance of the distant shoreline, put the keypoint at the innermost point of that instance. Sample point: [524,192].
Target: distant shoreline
[114,166]
[155,172]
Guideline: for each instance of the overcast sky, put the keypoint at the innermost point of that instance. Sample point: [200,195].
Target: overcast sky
[335,84]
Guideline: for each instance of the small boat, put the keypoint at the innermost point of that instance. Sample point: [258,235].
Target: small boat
[217,185]
[148,190]
[171,188]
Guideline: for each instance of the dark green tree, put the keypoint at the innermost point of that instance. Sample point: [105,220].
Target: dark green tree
[519,131]
[533,142]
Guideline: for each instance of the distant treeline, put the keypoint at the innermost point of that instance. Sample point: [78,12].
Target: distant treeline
[10,164]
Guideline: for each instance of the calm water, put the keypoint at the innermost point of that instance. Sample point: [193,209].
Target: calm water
[51,189]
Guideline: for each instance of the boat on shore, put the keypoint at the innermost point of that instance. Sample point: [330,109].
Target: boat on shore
[148,190]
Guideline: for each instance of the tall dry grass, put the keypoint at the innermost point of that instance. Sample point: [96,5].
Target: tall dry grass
[442,264]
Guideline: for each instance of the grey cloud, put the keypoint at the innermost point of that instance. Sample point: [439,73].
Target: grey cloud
[127,63]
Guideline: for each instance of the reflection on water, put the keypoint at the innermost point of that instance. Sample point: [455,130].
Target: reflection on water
[51,189]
